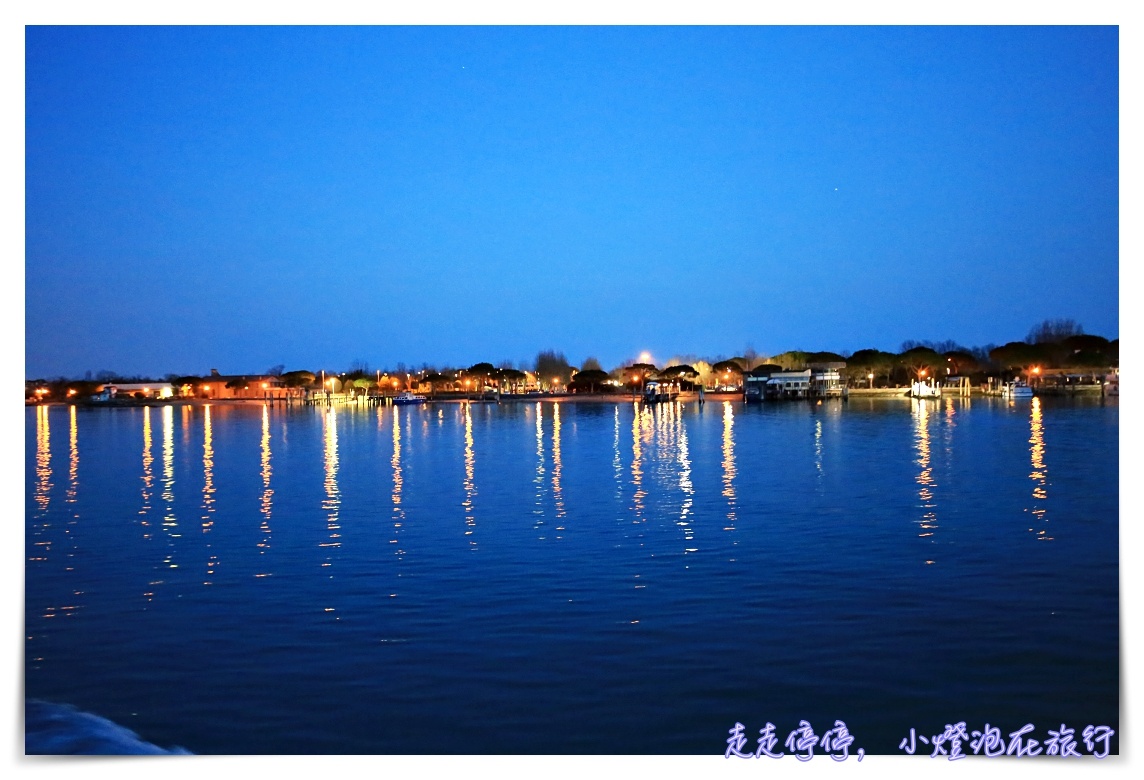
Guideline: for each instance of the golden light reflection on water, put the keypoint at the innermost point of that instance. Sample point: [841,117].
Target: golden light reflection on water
[170,524]
[921,413]
[729,470]
[538,480]
[675,410]
[265,504]
[1040,472]
[43,459]
[639,493]
[469,485]
[617,464]
[148,478]
[398,483]
[332,503]
[208,491]
[73,457]
[557,467]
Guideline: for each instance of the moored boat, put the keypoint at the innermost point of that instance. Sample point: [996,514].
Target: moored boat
[1016,389]
[407,398]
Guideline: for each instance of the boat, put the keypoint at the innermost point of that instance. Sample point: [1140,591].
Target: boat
[1016,389]
[924,390]
[660,392]
[408,398]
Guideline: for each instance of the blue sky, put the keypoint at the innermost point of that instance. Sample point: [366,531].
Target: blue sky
[243,197]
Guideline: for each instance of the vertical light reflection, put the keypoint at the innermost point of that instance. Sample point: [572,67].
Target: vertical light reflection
[685,485]
[637,467]
[557,490]
[148,477]
[332,502]
[266,502]
[1039,474]
[539,479]
[208,490]
[170,525]
[617,466]
[43,459]
[729,470]
[818,449]
[398,482]
[924,479]
[469,485]
[73,456]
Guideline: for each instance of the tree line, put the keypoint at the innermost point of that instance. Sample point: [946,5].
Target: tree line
[1051,344]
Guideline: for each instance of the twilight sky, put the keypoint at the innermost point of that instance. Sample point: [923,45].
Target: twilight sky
[236,198]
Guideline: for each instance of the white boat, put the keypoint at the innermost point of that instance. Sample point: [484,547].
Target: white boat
[924,390]
[407,398]
[1016,390]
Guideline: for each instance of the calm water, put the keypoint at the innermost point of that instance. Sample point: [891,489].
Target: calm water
[553,578]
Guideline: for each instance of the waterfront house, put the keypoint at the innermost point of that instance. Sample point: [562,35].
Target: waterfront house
[141,390]
[819,380]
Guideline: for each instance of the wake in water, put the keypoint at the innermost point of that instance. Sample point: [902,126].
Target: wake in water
[60,729]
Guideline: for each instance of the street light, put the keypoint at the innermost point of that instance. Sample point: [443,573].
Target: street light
[870,376]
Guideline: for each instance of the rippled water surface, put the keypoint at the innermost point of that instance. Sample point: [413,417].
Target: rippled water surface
[573,577]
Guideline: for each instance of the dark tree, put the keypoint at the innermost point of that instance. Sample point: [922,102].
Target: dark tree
[298,378]
[1053,331]
[588,380]
[922,362]
[552,365]
[1019,355]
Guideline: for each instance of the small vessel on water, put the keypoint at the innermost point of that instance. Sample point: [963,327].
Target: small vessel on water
[407,398]
[1016,389]
[659,392]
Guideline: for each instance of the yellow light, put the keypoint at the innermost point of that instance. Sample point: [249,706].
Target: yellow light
[869,376]
[395,383]
[1036,369]
[207,388]
[555,380]
[923,373]
[265,385]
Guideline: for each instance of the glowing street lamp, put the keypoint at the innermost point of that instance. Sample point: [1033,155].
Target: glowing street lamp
[870,376]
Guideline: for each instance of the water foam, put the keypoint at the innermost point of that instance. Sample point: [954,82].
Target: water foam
[61,729]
